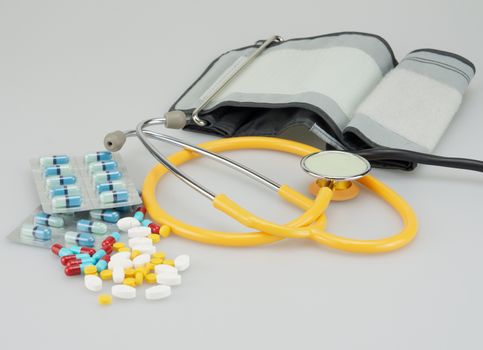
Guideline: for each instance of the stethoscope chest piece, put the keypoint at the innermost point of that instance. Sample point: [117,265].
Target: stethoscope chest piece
[337,170]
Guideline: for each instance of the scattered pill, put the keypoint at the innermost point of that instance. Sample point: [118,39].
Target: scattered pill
[66,259]
[122,291]
[151,278]
[118,274]
[97,157]
[78,250]
[165,269]
[69,190]
[129,281]
[145,249]
[135,253]
[159,255]
[126,223]
[61,202]
[168,262]
[118,245]
[60,251]
[90,270]
[139,278]
[122,263]
[168,279]
[182,262]
[140,241]
[73,270]
[154,238]
[120,256]
[156,261]
[82,238]
[106,215]
[157,292]
[129,272]
[36,232]
[104,299]
[141,260]
[111,239]
[139,231]
[154,228]
[165,231]
[93,283]
[146,222]
[106,275]
[96,227]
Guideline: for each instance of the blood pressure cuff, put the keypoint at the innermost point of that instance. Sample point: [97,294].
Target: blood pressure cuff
[344,89]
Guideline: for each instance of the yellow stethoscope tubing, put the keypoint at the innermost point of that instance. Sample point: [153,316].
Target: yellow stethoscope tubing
[316,230]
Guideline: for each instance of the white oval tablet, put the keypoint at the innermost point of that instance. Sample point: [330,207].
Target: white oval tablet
[123,291]
[140,241]
[168,279]
[93,283]
[158,292]
[162,268]
[144,249]
[121,263]
[141,260]
[125,224]
[120,256]
[182,262]
[118,274]
[139,231]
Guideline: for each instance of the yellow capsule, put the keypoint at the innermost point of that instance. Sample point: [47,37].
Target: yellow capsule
[139,277]
[165,231]
[168,262]
[135,253]
[129,272]
[155,238]
[104,299]
[90,270]
[158,255]
[106,274]
[149,266]
[118,245]
[129,281]
[124,249]
[156,261]
[150,278]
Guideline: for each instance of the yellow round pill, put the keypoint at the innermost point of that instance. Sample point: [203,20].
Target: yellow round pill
[117,246]
[129,281]
[168,262]
[156,261]
[139,277]
[158,255]
[150,278]
[124,249]
[129,272]
[106,274]
[104,299]
[90,270]
[165,231]
[135,253]
[155,238]
[140,269]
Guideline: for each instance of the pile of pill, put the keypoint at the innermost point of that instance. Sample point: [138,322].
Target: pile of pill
[128,266]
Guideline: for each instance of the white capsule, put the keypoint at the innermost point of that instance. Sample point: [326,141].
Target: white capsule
[140,231]
[165,269]
[158,292]
[168,279]
[93,283]
[141,260]
[140,241]
[123,291]
[120,256]
[126,223]
[118,275]
[121,263]
[145,249]
[182,262]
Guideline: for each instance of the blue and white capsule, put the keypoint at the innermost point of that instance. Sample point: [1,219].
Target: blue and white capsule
[54,160]
[117,185]
[106,215]
[69,190]
[82,239]
[45,219]
[36,232]
[63,169]
[96,227]
[101,265]
[66,202]
[60,180]
[106,176]
[111,197]
[102,166]
[97,157]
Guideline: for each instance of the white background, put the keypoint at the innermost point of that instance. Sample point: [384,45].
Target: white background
[71,71]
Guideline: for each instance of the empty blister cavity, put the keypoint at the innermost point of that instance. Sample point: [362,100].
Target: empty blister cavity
[53,160]
[113,197]
[60,180]
[36,232]
[117,185]
[66,202]
[97,157]
[96,227]
[102,166]
[45,219]
[105,176]
[55,170]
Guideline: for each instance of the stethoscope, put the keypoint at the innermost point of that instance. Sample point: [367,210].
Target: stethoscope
[330,168]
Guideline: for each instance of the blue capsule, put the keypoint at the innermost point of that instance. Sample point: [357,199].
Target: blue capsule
[101,265]
[102,166]
[97,157]
[139,216]
[49,220]
[146,222]
[110,197]
[99,254]
[36,232]
[62,202]
[57,181]
[107,215]
[53,160]
[111,186]
[63,169]
[70,190]
[105,176]
[83,239]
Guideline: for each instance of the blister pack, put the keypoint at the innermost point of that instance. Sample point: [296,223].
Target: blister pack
[69,184]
